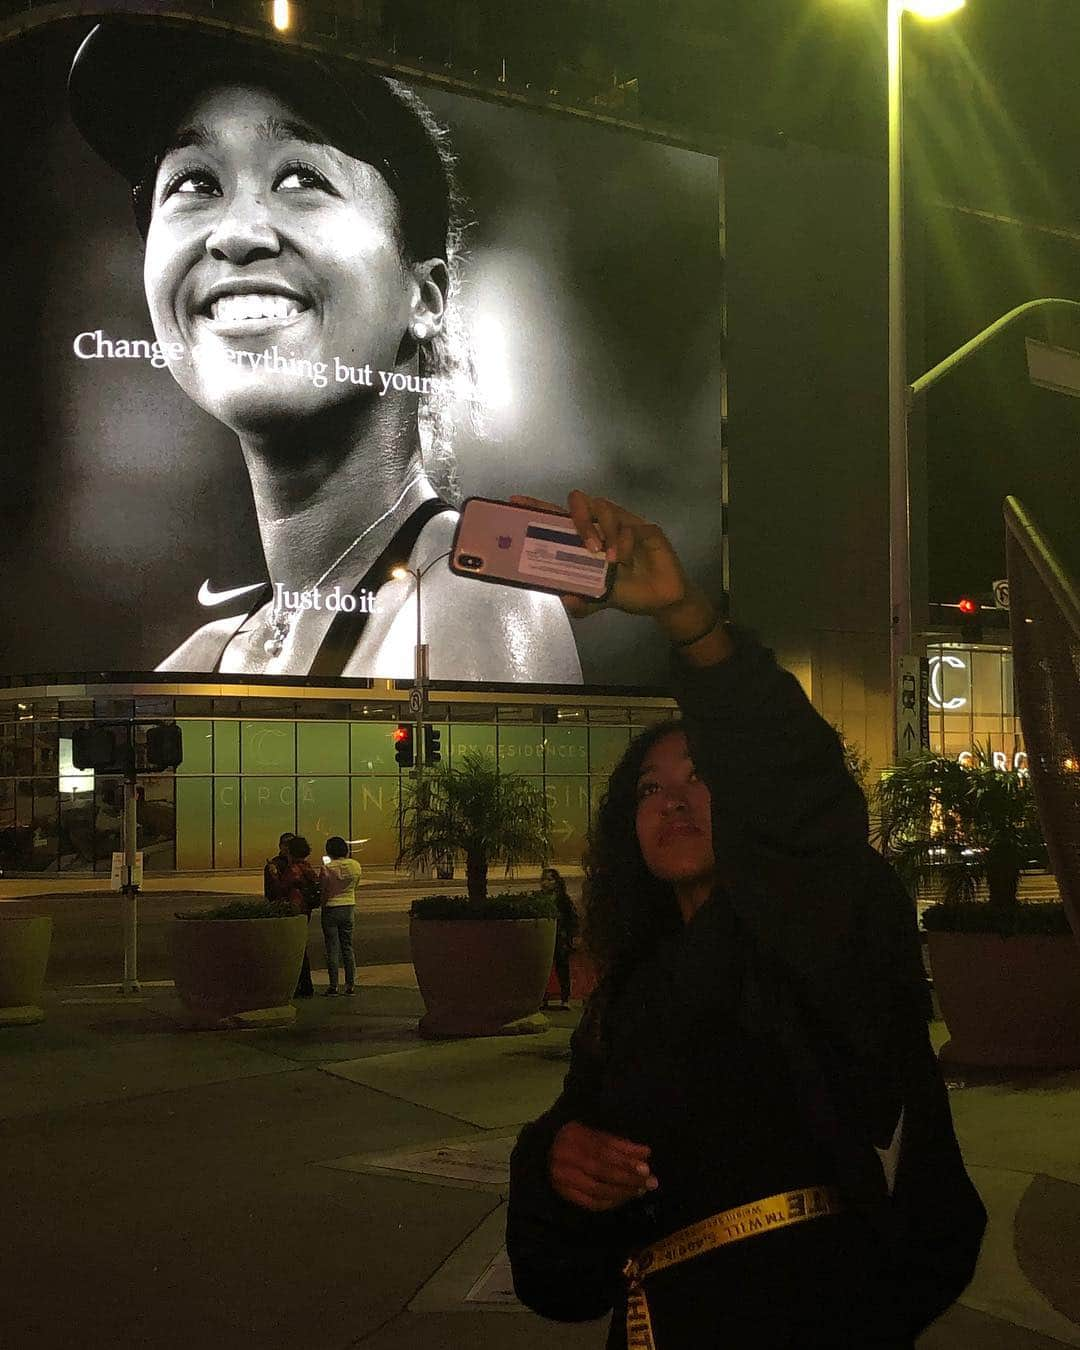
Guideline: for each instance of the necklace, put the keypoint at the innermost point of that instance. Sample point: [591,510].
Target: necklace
[280,618]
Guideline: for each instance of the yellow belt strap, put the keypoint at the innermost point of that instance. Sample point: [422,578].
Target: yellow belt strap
[732,1225]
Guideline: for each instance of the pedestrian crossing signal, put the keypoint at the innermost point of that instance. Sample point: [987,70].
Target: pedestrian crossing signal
[105,748]
[164,746]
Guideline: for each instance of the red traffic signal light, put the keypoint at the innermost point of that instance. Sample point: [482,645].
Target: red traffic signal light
[970,619]
[404,751]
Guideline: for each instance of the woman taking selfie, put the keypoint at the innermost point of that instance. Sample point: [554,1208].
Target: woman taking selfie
[753,1143]
[300,272]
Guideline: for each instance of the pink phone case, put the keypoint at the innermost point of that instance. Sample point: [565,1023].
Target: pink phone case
[517,546]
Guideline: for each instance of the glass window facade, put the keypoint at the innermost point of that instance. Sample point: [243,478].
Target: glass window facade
[246,779]
[972,702]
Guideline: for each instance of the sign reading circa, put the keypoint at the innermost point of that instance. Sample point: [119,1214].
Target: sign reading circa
[279,313]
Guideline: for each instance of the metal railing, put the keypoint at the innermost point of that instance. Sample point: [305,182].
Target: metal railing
[486,69]
[1044,615]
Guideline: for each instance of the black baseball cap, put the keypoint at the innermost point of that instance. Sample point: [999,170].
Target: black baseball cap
[132,78]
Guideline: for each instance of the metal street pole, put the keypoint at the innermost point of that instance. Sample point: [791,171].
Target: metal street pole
[419,680]
[420,657]
[418,701]
[948,364]
[905,675]
[899,477]
[130,889]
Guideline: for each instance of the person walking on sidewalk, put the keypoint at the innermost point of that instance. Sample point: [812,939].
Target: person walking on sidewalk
[298,888]
[339,880]
[566,931]
[753,1145]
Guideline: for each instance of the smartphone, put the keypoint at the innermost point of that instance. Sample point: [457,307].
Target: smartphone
[519,546]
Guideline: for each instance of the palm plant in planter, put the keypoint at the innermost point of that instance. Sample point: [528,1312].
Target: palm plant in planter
[481,962]
[1006,973]
[474,811]
[960,826]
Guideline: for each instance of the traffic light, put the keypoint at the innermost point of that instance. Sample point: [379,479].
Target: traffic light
[970,620]
[432,738]
[164,746]
[104,747]
[404,751]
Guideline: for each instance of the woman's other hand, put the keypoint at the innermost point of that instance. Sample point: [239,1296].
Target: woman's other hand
[596,1170]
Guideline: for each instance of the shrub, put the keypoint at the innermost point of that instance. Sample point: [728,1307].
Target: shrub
[1020,920]
[507,905]
[242,909]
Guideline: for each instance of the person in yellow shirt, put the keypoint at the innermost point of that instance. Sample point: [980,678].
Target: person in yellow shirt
[339,880]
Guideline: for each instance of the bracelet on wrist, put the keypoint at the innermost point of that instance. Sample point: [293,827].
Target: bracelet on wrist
[690,641]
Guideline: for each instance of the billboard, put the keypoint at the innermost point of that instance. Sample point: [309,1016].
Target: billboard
[270,317]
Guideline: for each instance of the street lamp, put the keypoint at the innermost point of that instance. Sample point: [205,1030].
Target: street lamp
[900,635]
[420,654]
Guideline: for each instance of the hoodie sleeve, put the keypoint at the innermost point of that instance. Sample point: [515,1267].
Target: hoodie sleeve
[566,1261]
[826,918]
[774,766]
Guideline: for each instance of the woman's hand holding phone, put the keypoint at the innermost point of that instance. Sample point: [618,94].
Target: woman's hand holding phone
[649,577]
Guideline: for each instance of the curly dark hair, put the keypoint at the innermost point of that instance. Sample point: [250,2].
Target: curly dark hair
[298,848]
[627,910]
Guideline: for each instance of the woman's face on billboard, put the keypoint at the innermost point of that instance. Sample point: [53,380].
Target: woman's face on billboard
[264,239]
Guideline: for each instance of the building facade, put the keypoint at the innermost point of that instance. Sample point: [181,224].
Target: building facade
[321,761]
[313,761]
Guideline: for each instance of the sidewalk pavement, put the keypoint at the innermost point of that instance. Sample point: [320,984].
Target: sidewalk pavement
[342,1183]
[247,882]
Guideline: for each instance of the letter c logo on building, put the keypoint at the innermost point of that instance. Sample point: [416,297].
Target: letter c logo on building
[936,696]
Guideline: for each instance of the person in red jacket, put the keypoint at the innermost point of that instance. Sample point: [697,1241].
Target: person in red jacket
[297,886]
[275,866]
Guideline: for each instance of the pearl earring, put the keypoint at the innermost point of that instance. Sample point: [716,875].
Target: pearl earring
[420,331]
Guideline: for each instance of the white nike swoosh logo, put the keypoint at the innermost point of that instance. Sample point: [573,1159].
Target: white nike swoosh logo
[208,597]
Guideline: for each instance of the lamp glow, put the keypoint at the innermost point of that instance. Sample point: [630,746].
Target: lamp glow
[282,17]
[400,573]
[933,9]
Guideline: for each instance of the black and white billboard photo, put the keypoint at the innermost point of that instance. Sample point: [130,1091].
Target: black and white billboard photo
[276,314]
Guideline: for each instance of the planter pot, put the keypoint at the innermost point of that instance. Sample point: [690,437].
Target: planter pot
[1008,1002]
[24,954]
[238,970]
[482,977]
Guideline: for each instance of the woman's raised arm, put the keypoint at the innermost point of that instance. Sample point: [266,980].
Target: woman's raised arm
[773,765]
